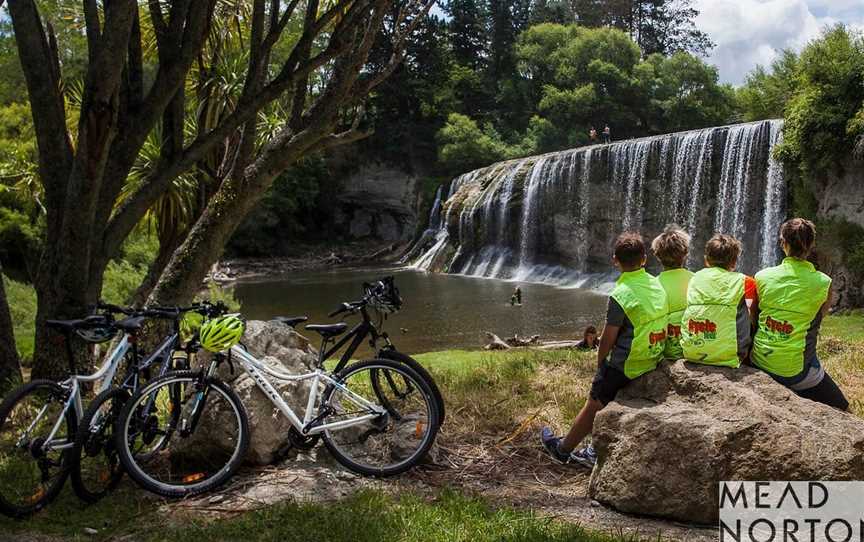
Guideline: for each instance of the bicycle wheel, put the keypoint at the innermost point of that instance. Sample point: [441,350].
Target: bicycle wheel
[397,356]
[379,437]
[31,473]
[165,451]
[95,466]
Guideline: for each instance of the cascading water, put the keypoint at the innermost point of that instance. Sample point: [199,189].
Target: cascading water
[552,218]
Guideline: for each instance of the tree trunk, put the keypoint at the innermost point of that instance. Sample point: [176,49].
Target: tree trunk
[10,365]
[203,246]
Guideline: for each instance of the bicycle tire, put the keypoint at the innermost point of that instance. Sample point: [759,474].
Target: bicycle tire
[86,443]
[42,496]
[433,421]
[170,490]
[395,355]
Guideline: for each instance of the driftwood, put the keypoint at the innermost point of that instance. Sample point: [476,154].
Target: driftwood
[494,342]
[515,340]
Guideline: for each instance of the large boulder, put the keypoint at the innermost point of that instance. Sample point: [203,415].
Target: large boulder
[284,350]
[670,437]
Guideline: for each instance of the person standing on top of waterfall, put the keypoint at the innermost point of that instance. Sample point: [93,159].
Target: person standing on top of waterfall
[793,299]
[671,248]
[633,339]
[607,134]
[593,135]
[715,326]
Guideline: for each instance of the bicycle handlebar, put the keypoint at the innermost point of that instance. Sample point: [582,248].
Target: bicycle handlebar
[164,312]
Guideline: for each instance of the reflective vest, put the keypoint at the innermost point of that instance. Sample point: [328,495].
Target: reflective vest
[790,296]
[643,300]
[709,330]
[675,283]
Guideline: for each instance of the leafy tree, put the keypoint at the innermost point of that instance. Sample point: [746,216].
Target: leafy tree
[683,94]
[467,32]
[305,64]
[465,146]
[822,116]
[765,93]
[657,26]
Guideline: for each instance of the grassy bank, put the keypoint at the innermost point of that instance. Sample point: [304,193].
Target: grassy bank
[496,402]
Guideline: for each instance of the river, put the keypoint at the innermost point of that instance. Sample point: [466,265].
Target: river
[440,311]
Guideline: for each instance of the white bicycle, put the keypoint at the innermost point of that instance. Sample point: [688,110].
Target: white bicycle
[376,417]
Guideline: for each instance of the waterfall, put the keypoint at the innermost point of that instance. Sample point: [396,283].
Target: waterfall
[553,217]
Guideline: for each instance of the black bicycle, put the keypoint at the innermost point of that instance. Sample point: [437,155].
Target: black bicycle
[383,298]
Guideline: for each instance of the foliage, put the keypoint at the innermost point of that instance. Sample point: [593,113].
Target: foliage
[571,78]
[465,146]
[278,218]
[765,93]
[820,93]
[820,117]
[22,307]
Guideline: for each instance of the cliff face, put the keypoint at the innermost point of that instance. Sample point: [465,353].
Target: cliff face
[553,217]
[840,197]
[377,202]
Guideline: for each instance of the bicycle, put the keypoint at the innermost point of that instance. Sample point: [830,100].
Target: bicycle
[383,297]
[40,420]
[377,417]
[91,478]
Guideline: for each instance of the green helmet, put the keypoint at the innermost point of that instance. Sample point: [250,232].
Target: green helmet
[221,333]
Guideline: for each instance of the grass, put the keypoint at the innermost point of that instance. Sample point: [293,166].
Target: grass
[365,516]
[493,395]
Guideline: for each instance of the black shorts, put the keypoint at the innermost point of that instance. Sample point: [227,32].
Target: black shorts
[827,393]
[607,382]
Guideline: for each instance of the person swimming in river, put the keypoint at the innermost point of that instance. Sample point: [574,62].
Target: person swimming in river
[516,298]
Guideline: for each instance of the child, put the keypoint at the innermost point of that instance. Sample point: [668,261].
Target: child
[634,338]
[715,326]
[589,339]
[671,247]
[793,298]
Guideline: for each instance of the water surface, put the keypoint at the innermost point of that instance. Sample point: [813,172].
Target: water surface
[440,311]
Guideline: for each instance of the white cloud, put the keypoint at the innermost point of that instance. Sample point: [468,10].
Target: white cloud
[751,32]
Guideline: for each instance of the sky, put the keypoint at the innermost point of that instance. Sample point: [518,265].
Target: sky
[751,32]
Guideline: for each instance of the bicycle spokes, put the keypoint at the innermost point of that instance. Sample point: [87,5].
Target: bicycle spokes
[392,432]
[33,448]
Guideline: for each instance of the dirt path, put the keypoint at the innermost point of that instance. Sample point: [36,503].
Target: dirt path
[515,474]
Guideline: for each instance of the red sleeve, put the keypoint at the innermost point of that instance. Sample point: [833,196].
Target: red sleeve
[750,289]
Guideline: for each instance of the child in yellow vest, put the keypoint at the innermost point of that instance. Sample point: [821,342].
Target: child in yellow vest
[671,248]
[793,298]
[715,326]
[633,339]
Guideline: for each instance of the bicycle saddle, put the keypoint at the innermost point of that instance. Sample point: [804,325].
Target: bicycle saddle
[328,330]
[291,321]
[72,325]
[130,324]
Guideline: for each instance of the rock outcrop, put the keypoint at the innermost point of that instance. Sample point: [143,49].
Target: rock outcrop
[670,437]
[377,202]
[283,349]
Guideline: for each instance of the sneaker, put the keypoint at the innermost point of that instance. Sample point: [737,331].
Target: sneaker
[552,445]
[585,457]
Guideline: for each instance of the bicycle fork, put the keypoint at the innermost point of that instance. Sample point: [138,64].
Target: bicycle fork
[202,390]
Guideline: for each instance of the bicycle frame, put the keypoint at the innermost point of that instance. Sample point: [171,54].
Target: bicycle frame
[356,335]
[106,373]
[307,426]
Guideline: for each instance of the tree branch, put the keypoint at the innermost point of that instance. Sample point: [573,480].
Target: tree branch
[91,23]
[46,101]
